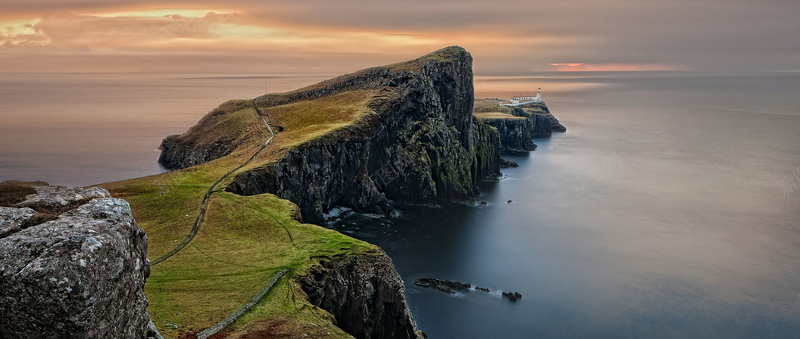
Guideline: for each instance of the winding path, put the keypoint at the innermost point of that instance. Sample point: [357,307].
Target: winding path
[199,220]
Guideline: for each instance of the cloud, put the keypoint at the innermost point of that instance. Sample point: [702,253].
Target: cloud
[68,29]
[613,67]
[505,36]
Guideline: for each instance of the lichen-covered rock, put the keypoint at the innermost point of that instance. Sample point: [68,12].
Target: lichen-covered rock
[49,197]
[80,275]
[422,145]
[13,219]
[364,293]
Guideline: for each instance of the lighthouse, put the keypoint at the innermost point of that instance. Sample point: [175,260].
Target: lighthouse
[521,100]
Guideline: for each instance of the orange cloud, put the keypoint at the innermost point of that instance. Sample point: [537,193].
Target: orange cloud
[612,67]
[164,39]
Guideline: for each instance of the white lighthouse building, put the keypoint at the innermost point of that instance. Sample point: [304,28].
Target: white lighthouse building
[521,100]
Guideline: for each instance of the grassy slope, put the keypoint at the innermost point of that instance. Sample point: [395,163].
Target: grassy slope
[496,115]
[488,109]
[243,239]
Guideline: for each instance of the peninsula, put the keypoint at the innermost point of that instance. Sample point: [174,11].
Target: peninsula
[233,231]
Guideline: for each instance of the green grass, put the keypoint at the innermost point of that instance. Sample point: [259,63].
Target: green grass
[496,115]
[243,240]
[482,106]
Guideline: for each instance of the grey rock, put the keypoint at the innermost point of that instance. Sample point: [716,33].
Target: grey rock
[13,219]
[59,196]
[81,275]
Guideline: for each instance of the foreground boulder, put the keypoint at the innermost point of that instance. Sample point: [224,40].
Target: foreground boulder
[73,265]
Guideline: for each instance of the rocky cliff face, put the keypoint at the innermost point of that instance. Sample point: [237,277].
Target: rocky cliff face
[516,135]
[72,265]
[421,146]
[365,295]
[544,123]
[202,143]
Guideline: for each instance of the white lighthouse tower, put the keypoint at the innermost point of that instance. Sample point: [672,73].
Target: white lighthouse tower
[521,100]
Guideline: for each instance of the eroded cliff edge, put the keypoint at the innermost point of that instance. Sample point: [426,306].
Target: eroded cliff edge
[364,293]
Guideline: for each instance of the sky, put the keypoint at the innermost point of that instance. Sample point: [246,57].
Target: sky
[505,37]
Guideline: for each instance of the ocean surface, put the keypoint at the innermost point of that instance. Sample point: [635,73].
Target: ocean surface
[669,209]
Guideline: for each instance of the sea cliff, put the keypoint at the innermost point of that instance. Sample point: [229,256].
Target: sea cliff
[518,125]
[229,218]
[419,144]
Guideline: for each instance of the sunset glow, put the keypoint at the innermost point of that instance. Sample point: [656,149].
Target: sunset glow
[580,67]
[247,35]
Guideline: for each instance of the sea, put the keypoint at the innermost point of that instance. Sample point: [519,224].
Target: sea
[669,209]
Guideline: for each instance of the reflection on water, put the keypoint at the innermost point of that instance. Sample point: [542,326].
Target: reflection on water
[82,129]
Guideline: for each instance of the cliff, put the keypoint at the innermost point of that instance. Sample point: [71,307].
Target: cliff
[415,141]
[72,264]
[516,133]
[364,293]
[211,138]
[402,132]
[519,125]
[544,123]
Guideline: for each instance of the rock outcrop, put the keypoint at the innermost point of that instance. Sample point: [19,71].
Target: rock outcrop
[72,265]
[451,287]
[421,146]
[516,134]
[202,143]
[544,123]
[365,295]
[448,286]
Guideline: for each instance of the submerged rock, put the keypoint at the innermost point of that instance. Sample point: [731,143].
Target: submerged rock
[78,273]
[452,286]
[442,285]
[513,296]
[507,163]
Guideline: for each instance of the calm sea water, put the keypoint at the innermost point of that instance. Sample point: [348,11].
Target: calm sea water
[83,129]
[669,209]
